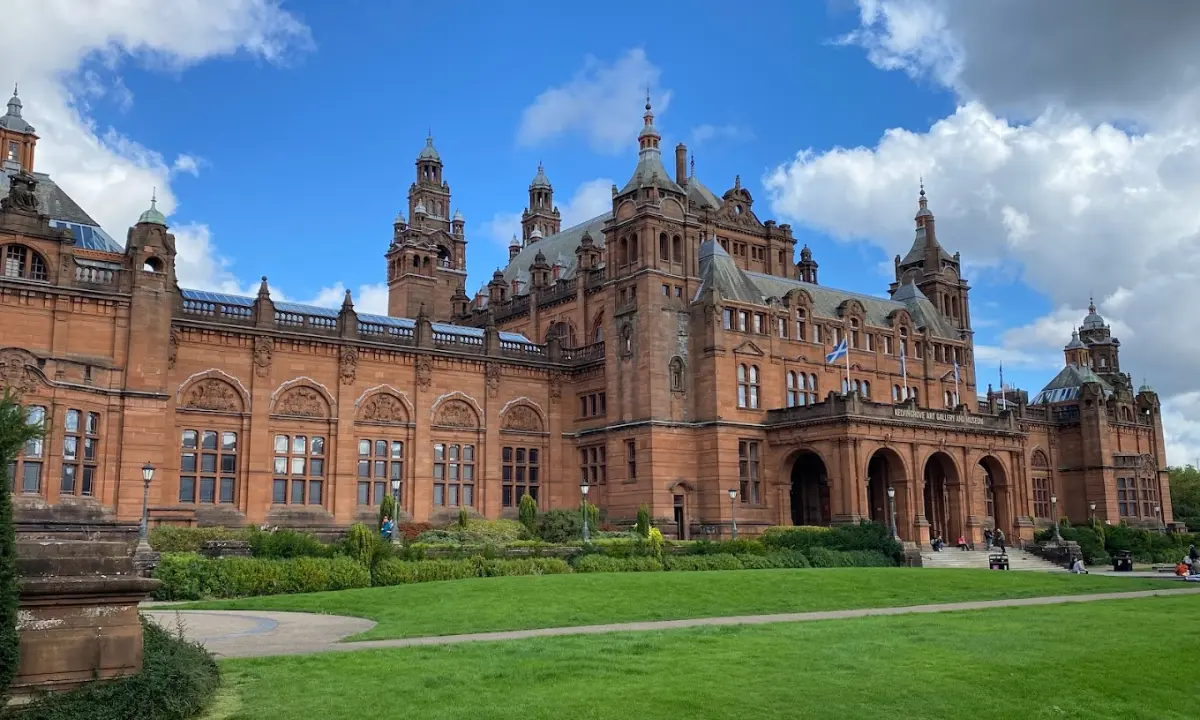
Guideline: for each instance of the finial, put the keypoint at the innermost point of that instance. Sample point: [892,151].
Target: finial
[737,181]
[347,303]
[16,87]
[693,166]
[647,97]
[922,177]
[1091,304]
[263,291]
[153,196]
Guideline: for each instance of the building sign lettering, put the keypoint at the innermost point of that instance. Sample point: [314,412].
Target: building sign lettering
[934,416]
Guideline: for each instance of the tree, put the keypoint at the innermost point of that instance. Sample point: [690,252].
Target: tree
[387,507]
[643,521]
[1185,495]
[528,514]
[14,433]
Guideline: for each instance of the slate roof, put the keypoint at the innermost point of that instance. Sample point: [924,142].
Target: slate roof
[66,213]
[1066,385]
[558,248]
[317,311]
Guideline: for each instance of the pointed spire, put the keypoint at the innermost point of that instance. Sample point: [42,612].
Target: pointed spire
[737,181]
[347,303]
[429,152]
[153,216]
[693,168]
[264,293]
[1091,304]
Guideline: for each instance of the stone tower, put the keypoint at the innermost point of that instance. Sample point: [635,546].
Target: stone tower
[935,272]
[541,215]
[17,138]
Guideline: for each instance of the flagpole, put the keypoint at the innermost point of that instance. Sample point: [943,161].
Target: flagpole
[848,366]
[904,370]
[957,402]
[1003,398]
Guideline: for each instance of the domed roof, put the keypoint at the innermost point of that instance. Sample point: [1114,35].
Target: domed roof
[458,216]
[514,242]
[1145,388]
[12,120]
[540,180]
[1093,319]
[536,234]
[399,219]
[153,216]
[1076,343]
[420,208]
[429,152]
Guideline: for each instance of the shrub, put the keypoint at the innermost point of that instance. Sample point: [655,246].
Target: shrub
[15,431]
[286,544]
[463,517]
[741,546]
[655,541]
[402,572]
[364,545]
[179,680]
[528,512]
[476,532]
[788,559]
[643,521]
[410,531]
[192,577]
[603,563]
[170,538]
[703,562]
[820,557]
[560,526]
[593,516]
[863,536]
[387,508]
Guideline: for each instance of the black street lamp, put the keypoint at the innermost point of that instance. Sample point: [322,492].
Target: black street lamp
[1054,516]
[395,511]
[587,535]
[1092,513]
[733,493]
[891,493]
[144,530]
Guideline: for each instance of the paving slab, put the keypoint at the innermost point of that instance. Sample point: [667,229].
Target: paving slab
[244,633]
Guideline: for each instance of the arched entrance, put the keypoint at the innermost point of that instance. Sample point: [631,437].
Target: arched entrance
[885,470]
[810,490]
[995,494]
[941,498]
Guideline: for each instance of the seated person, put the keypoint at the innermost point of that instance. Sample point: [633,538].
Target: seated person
[962,543]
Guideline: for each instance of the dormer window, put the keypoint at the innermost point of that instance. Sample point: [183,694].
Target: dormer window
[14,150]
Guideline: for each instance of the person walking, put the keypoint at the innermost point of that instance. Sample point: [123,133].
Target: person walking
[999,540]
[987,539]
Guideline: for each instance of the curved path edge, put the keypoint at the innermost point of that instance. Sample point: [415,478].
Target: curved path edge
[226,635]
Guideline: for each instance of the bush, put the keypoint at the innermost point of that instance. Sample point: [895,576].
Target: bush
[741,546]
[476,532]
[403,572]
[410,531]
[528,512]
[863,536]
[602,563]
[703,562]
[179,680]
[656,542]
[169,538]
[560,526]
[643,521]
[365,545]
[15,431]
[286,544]
[387,508]
[820,557]
[192,577]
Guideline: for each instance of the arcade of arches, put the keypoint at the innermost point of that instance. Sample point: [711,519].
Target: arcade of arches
[936,500]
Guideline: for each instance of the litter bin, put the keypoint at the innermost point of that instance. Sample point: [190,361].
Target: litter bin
[997,561]
[1122,561]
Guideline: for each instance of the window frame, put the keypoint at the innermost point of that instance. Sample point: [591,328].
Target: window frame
[290,478]
[452,462]
[520,473]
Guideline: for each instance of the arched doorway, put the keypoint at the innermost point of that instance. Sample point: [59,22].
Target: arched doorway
[810,490]
[995,494]
[885,470]
[940,497]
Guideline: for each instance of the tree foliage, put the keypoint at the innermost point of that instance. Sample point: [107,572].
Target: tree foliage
[643,521]
[14,433]
[1185,495]
[387,508]
[528,514]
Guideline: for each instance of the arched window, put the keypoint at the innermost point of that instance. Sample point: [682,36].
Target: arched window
[152,264]
[949,400]
[754,387]
[623,252]
[677,249]
[801,326]
[21,262]
[676,374]
[912,393]
[866,389]
[812,387]
[748,386]
[896,394]
[627,340]
[845,386]
[854,333]
[633,249]
[564,332]
[793,389]
[662,247]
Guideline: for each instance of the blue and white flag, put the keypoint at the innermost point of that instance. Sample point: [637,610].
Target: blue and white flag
[956,378]
[839,351]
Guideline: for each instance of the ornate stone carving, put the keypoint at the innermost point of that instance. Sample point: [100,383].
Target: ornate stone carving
[262,356]
[384,407]
[14,371]
[710,313]
[456,413]
[424,371]
[21,195]
[348,365]
[493,379]
[212,394]
[173,347]
[523,418]
[302,402]
[555,386]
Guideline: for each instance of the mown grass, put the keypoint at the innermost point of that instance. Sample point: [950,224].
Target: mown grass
[1127,659]
[521,603]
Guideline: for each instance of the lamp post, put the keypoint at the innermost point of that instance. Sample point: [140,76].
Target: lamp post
[1092,513]
[1054,516]
[583,489]
[891,492]
[1158,518]
[395,511]
[144,530]
[732,512]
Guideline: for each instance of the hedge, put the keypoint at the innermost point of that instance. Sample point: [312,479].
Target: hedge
[863,536]
[192,577]
[403,572]
[179,680]
[605,563]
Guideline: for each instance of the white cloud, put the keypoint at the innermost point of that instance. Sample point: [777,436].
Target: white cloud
[602,103]
[186,164]
[502,228]
[707,132]
[1072,203]
[590,199]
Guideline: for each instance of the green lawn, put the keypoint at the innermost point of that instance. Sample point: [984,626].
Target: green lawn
[1114,659]
[521,603]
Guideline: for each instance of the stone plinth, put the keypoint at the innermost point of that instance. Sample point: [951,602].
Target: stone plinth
[78,617]
[225,548]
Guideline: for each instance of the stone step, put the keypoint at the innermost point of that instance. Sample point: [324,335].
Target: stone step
[953,558]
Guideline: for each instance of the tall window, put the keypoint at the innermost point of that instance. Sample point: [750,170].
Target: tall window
[794,395]
[13,151]
[743,320]
[1127,497]
[855,335]
[748,386]
[677,249]
[676,371]
[1041,497]
[904,342]
[887,344]
[949,400]
[379,462]
[28,465]
[81,449]
[989,498]
[519,471]
[1149,495]
[453,475]
[812,389]
[631,459]
[299,470]
[21,262]
[662,246]
[728,319]
[593,468]
[207,466]
[782,323]
[801,325]
[751,486]
[818,336]
[760,323]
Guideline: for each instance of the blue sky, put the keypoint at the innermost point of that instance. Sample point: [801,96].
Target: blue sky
[282,133]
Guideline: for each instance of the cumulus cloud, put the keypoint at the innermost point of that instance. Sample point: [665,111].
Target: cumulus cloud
[601,104]
[590,199]
[1068,197]
[708,132]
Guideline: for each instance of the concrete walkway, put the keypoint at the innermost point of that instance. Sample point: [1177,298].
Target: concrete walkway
[242,633]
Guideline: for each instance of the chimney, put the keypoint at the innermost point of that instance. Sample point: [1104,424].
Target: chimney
[681,164]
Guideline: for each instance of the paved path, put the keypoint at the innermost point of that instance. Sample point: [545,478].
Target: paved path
[241,633]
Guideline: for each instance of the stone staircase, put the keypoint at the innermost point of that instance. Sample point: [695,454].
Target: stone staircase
[978,559]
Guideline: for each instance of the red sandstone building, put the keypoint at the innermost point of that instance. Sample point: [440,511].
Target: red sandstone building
[666,352]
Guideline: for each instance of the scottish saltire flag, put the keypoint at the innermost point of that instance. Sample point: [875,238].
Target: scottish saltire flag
[839,351]
[903,363]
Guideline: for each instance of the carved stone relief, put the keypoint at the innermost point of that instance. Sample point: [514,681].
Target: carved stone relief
[556,382]
[348,366]
[384,407]
[262,356]
[493,380]
[523,418]
[456,413]
[173,348]
[424,372]
[15,373]
[302,402]
[212,394]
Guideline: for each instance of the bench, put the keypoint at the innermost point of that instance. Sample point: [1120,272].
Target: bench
[1163,569]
